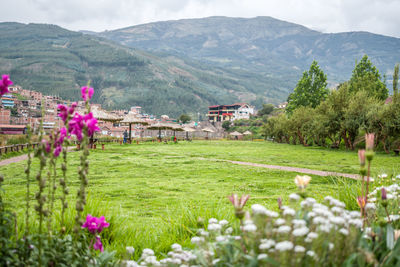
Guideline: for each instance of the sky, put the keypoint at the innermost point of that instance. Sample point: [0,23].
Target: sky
[376,16]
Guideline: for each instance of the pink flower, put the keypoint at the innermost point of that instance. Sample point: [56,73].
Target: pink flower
[4,83]
[98,245]
[87,93]
[94,224]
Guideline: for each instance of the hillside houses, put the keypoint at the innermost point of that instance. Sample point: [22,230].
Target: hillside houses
[230,112]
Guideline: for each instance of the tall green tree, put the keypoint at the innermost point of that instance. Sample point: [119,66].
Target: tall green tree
[184,118]
[310,89]
[395,83]
[366,77]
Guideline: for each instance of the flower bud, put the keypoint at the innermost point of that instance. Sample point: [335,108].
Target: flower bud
[383,193]
[369,141]
[361,157]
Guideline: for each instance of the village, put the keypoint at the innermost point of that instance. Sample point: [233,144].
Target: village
[21,107]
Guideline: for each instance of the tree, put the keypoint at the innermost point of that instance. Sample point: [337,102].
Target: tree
[310,89]
[366,77]
[226,125]
[395,82]
[266,110]
[184,118]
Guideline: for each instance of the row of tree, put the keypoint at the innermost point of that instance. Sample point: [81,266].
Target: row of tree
[315,115]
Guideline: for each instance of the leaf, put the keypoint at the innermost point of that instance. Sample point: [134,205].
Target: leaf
[389,236]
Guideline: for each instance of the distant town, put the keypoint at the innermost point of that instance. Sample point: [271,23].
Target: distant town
[22,107]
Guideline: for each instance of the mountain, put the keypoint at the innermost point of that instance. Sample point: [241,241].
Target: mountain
[56,61]
[262,45]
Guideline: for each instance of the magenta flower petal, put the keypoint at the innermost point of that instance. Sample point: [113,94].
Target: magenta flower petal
[87,93]
[4,83]
[98,245]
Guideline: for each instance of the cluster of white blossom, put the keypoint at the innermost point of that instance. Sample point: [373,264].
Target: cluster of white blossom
[267,234]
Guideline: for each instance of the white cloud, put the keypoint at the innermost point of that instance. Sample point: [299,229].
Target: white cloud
[324,15]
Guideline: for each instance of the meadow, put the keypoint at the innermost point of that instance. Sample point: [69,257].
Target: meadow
[156,194]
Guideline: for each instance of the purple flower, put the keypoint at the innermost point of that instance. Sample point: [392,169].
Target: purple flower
[47,145]
[98,245]
[76,125]
[57,151]
[72,108]
[94,224]
[4,83]
[87,93]
[63,112]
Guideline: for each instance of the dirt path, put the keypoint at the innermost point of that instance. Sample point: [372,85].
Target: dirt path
[294,169]
[23,157]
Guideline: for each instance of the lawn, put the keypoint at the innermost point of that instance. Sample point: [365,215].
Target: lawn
[154,193]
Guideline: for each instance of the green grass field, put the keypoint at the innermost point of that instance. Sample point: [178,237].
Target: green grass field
[153,193]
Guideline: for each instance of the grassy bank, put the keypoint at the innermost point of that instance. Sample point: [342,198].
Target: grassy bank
[153,194]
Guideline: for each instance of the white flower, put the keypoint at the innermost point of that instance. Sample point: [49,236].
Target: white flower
[311,253]
[212,220]
[223,222]
[203,232]
[147,252]
[289,211]
[298,223]
[383,175]
[355,214]
[337,209]
[176,247]
[344,231]
[259,209]
[284,246]
[337,220]
[215,261]
[393,217]
[325,228]
[294,197]
[197,240]
[284,229]
[229,230]
[131,264]
[373,199]
[262,256]
[237,237]
[331,246]
[279,221]
[356,222]
[266,244]
[312,235]
[319,220]
[398,176]
[300,231]
[130,250]
[220,238]
[370,206]
[299,249]
[272,214]
[250,227]
[214,227]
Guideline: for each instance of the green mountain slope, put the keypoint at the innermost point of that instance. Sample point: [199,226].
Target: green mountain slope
[56,61]
[263,45]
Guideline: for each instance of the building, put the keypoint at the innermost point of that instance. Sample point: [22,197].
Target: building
[230,112]
[5,116]
[8,101]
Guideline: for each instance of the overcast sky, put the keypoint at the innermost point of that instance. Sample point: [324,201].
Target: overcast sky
[377,16]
